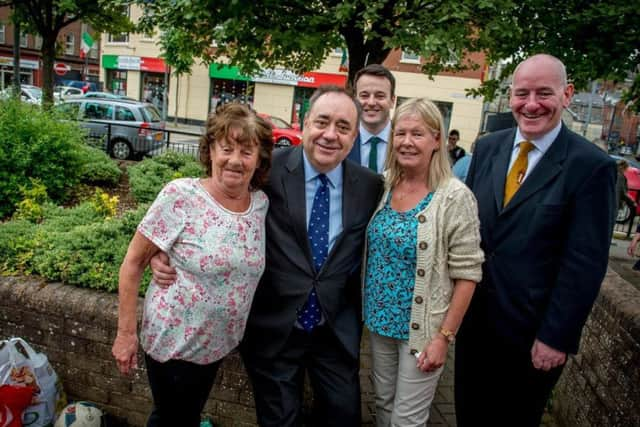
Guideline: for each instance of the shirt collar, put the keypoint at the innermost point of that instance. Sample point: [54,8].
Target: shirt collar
[542,144]
[384,134]
[310,173]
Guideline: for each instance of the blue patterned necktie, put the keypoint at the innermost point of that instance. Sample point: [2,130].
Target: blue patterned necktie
[310,314]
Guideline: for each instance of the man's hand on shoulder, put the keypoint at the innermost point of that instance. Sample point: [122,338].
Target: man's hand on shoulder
[163,273]
[546,358]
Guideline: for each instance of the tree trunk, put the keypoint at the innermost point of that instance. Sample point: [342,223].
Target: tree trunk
[362,53]
[48,58]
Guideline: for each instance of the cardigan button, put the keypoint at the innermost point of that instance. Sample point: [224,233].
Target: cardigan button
[421,218]
[420,272]
[415,326]
[418,300]
[423,245]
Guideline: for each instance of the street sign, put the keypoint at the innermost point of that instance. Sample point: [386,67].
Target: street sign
[61,69]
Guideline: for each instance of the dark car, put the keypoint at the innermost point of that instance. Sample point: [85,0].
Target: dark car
[284,134]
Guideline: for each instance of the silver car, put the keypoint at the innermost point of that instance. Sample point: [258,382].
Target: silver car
[128,129]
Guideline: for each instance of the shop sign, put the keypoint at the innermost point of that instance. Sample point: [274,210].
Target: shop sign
[134,63]
[279,76]
[24,63]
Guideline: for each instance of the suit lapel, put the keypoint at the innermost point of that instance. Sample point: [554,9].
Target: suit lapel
[499,167]
[294,187]
[354,154]
[549,166]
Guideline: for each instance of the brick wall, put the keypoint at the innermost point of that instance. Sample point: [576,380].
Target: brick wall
[601,385]
[75,329]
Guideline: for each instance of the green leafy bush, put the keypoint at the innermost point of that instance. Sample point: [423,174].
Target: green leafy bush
[35,144]
[98,168]
[31,207]
[149,176]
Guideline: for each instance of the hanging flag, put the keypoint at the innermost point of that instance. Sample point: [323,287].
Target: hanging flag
[86,45]
[344,61]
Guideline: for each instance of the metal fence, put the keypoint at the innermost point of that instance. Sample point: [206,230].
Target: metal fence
[125,141]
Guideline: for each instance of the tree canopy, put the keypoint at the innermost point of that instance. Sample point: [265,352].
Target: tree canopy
[595,39]
[48,17]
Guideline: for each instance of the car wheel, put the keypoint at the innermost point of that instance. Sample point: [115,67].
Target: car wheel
[283,142]
[624,213]
[120,149]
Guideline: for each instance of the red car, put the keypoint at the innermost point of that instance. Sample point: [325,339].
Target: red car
[633,185]
[284,134]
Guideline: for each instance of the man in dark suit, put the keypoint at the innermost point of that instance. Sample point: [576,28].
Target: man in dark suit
[375,91]
[545,198]
[279,347]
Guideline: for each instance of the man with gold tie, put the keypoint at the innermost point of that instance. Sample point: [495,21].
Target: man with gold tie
[545,199]
[374,86]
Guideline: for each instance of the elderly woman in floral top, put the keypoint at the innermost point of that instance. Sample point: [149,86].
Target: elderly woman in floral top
[423,260]
[213,232]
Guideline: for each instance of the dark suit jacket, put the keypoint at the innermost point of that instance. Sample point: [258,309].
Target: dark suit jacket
[547,250]
[354,154]
[290,274]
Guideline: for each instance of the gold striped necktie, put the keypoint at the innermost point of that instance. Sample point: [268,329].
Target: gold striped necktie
[517,172]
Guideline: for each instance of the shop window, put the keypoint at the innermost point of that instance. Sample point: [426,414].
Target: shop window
[124,114]
[117,82]
[2,27]
[69,44]
[409,57]
[224,91]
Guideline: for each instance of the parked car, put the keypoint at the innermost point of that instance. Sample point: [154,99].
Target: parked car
[28,93]
[63,92]
[106,95]
[633,185]
[284,134]
[129,128]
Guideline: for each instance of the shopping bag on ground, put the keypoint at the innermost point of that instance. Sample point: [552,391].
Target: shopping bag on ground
[20,364]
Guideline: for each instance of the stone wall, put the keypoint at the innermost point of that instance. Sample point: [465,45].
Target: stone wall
[601,385]
[75,329]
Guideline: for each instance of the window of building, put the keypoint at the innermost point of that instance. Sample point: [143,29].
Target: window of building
[2,33]
[37,42]
[69,44]
[121,37]
[409,57]
[337,51]
[24,40]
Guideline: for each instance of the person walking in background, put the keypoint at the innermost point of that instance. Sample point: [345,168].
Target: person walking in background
[622,188]
[423,260]
[375,91]
[213,231]
[455,153]
[306,314]
[546,205]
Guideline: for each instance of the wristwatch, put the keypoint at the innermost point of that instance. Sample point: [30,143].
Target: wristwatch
[450,336]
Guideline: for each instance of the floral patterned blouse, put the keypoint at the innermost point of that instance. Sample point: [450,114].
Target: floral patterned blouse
[219,256]
[390,272]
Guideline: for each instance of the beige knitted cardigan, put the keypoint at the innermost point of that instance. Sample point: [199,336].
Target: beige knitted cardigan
[447,248]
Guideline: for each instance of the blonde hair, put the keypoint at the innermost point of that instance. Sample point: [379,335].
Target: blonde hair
[439,166]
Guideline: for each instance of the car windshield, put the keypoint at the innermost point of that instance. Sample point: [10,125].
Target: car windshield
[35,92]
[279,123]
[151,114]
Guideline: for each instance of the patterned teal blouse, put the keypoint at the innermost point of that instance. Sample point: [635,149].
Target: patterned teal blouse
[391,269]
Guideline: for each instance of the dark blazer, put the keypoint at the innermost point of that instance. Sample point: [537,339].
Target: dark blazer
[290,274]
[547,250]
[354,154]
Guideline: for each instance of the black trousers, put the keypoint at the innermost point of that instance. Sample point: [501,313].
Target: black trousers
[495,381]
[180,390]
[278,382]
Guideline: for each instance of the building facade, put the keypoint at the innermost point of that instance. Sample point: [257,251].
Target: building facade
[69,64]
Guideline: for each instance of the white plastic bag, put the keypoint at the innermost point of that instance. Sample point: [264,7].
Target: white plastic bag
[32,369]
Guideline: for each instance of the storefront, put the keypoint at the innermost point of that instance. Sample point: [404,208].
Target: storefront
[28,71]
[148,73]
[227,83]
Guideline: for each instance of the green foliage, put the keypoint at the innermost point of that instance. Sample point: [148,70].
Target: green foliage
[33,144]
[149,176]
[98,168]
[31,207]
[104,204]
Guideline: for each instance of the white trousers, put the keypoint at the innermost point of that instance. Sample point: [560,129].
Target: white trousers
[403,392]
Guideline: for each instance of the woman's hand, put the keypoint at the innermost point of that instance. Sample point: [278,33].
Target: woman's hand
[125,351]
[434,354]
[164,275]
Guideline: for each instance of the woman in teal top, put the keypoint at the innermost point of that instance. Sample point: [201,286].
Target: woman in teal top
[422,262]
